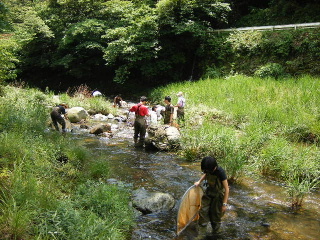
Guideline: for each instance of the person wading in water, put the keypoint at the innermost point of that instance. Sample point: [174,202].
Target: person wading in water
[214,201]
[140,123]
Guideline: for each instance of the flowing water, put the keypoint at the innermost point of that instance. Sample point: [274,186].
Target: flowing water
[258,209]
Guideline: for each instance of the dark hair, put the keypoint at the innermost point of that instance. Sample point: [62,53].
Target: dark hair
[154,108]
[143,99]
[63,105]
[168,98]
[208,164]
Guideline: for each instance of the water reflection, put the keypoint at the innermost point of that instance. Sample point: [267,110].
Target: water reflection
[258,209]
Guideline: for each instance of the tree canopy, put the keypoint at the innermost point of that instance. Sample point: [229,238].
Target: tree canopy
[113,44]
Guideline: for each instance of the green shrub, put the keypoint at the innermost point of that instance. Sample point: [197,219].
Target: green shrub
[8,58]
[212,72]
[245,42]
[243,52]
[270,70]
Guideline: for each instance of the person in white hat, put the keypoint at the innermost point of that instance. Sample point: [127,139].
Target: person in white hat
[180,104]
[96,94]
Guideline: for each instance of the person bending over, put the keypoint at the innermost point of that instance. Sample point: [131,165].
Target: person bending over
[215,198]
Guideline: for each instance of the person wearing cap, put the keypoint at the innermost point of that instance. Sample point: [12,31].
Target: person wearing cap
[96,94]
[215,198]
[140,123]
[180,104]
[168,111]
[57,118]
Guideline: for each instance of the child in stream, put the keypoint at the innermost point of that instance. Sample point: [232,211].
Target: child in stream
[214,200]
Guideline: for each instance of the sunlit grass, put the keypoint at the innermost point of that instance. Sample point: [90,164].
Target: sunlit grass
[41,171]
[263,125]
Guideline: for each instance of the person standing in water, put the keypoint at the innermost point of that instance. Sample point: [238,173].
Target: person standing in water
[140,124]
[216,194]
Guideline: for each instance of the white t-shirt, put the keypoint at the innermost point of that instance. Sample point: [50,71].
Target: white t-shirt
[153,118]
[181,102]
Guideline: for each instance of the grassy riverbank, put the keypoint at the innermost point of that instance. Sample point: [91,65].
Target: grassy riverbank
[266,126]
[50,187]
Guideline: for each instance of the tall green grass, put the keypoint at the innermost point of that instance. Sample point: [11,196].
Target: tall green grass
[268,126]
[42,197]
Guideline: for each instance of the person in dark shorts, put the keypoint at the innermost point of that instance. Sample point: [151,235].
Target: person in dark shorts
[215,198]
[56,116]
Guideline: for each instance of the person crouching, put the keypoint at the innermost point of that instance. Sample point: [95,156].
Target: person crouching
[56,116]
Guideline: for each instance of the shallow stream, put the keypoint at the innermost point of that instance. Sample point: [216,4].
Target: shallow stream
[258,209]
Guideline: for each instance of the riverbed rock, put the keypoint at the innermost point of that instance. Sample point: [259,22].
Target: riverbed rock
[148,202]
[120,118]
[100,128]
[99,117]
[76,114]
[163,137]
[124,104]
[110,116]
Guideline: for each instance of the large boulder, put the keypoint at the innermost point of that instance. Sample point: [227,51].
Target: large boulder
[148,202]
[100,128]
[99,117]
[163,137]
[173,135]
[76,114]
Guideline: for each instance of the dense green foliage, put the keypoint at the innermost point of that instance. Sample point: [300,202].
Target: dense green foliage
[8,59]
[294,52]
[108,43]
[113,45]
[50,186]
[4,24]
[266,126]
[273,12]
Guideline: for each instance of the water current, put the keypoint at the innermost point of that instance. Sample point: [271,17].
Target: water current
[258,208]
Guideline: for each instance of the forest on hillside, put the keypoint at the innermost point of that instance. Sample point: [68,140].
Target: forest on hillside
[114,45]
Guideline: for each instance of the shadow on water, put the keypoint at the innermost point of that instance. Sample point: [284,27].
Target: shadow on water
[257,210]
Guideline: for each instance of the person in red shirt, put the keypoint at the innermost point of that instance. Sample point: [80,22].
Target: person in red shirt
[140,124]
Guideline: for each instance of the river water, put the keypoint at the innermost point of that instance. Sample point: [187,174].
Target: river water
[258,209]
